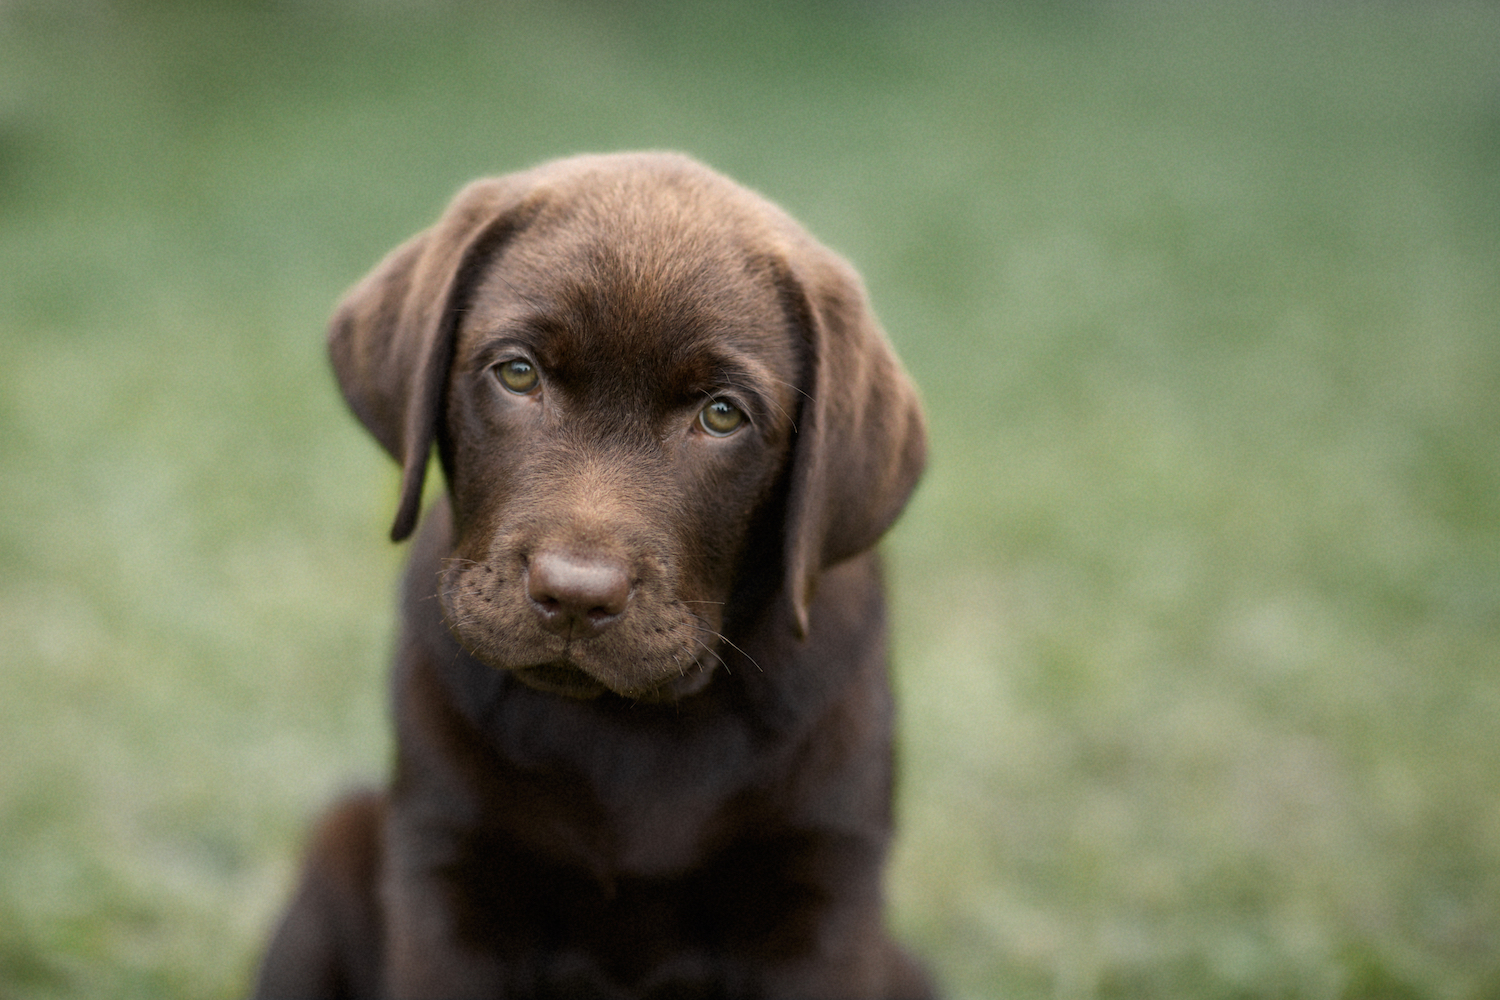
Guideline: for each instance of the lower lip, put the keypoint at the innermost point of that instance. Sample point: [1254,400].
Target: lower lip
[561,679]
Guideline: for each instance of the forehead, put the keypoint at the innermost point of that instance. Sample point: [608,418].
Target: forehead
[636,292]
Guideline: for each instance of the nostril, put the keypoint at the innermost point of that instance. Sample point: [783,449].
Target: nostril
[569,590]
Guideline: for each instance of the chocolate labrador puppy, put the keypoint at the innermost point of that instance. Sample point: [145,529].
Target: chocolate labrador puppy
[643,719]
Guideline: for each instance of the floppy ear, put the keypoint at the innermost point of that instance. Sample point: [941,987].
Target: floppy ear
[391,338]
[861,440]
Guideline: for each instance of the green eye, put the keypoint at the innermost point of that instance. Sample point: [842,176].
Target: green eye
[721,418]
[518,375]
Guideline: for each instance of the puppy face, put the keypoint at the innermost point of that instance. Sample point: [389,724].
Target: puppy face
[647,385]
[621,403]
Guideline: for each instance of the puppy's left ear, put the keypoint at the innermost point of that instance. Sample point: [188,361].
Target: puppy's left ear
[391,338]
[861,440]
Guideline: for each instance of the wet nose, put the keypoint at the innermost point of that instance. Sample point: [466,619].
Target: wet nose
[577,595]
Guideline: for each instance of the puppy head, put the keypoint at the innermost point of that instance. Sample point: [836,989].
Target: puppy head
[629,365]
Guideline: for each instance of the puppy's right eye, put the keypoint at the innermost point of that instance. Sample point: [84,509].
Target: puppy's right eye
[518,375]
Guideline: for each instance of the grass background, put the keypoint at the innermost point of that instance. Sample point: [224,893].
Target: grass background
[1197,612]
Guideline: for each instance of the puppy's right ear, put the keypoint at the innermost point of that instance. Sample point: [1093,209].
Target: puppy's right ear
[391,338]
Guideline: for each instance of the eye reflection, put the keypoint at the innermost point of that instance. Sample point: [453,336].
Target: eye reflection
[518,375]
[721,418]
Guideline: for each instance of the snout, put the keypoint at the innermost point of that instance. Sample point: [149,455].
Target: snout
[583,603]
[576,596]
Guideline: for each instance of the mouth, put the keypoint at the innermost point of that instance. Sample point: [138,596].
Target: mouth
[561,678]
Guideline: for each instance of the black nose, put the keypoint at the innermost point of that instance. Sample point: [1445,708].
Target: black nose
[577,595]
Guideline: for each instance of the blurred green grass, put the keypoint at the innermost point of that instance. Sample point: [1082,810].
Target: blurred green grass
[1197,612]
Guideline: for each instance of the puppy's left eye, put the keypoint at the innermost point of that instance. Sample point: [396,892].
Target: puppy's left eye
[518,375]
[721,418]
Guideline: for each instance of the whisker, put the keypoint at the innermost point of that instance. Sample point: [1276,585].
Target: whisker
[750,391]
[711,652]
[799,391]
[724,639]
[746,655]
[792,386]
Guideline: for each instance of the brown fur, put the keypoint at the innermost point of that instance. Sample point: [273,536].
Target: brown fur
[643,720]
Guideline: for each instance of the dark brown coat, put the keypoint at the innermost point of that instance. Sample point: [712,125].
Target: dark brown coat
[643,719]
